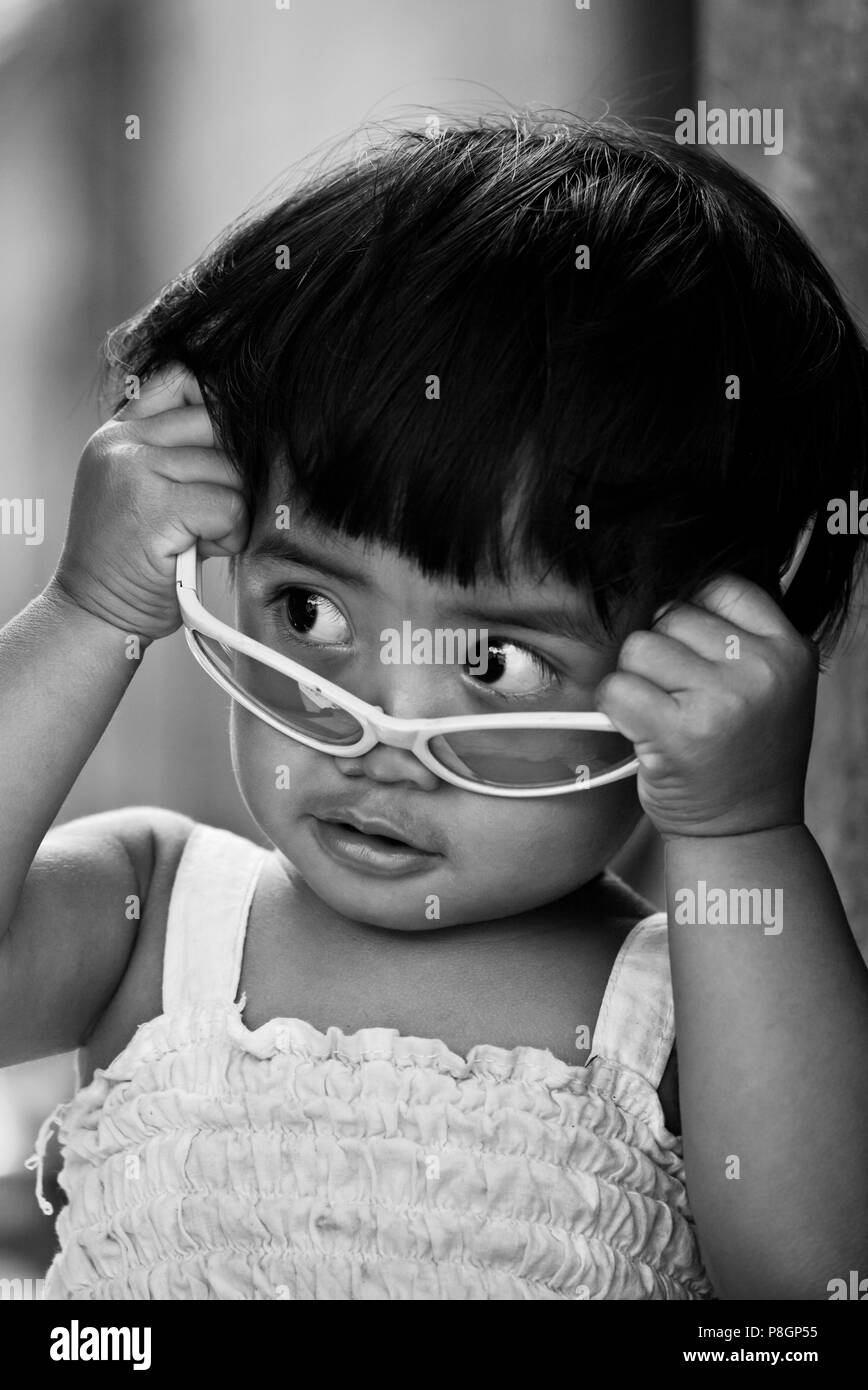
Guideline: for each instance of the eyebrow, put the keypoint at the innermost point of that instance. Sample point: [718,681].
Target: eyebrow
[557,622]
[288,550]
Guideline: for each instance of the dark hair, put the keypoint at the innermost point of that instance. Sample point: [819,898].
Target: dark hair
[456,257]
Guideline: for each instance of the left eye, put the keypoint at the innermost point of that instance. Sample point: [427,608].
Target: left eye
[513,671]
[315,617]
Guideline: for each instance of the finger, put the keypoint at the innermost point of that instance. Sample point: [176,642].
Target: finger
[705,633]
[169,387]
[189,424]
[666,662]
[192,465]
[216,550]
[216,514]
[740,601]
[639,709]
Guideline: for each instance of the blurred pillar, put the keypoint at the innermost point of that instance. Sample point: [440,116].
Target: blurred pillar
[809,60]
[656,55]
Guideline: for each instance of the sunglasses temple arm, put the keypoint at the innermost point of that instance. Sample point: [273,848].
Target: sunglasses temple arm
[798,554]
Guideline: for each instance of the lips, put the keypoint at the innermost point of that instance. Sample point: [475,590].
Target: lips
[374,825]
[371,845]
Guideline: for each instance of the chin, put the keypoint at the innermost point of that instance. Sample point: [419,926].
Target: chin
[398,907]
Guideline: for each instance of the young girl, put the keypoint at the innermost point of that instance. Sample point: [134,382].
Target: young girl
[574,393]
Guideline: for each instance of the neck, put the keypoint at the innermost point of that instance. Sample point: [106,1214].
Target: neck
[590,906]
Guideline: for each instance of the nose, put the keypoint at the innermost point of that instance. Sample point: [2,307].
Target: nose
[404,692]
[384,764]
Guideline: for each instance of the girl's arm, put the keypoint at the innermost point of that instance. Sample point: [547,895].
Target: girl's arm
[771,994]
[150,482]
[772,1021]
[65,934]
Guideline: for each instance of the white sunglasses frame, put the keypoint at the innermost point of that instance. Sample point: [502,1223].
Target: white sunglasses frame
[379,727]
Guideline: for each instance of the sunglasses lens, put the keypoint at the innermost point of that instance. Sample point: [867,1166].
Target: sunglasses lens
[524,758]
[288,700]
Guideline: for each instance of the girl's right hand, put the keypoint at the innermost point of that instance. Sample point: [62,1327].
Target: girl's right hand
[150,482]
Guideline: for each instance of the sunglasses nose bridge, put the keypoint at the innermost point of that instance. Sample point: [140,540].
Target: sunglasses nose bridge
[387,733]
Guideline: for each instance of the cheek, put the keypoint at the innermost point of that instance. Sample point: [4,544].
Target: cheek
[560,842]
[512,856]
[603,820]
[265,766]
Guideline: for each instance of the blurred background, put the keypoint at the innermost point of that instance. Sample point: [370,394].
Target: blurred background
[230,96]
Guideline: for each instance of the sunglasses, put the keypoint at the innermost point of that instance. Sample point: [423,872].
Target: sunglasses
[512,755]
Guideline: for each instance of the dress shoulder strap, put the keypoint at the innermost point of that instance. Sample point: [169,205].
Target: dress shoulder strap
[636,1024]
[207,922]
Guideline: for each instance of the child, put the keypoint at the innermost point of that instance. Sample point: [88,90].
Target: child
[577,391]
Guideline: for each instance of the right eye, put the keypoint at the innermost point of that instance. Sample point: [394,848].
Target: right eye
[313,618]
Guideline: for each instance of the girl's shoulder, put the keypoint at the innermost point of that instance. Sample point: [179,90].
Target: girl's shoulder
[627,908]
[139,997]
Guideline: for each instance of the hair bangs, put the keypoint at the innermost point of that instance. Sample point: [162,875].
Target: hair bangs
[591,351]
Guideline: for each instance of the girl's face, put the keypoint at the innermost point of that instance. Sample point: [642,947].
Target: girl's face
[325,601]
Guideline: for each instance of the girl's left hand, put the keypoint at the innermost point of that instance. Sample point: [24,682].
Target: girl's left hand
[719,702]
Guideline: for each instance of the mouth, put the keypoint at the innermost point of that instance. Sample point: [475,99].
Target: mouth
[373,845]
